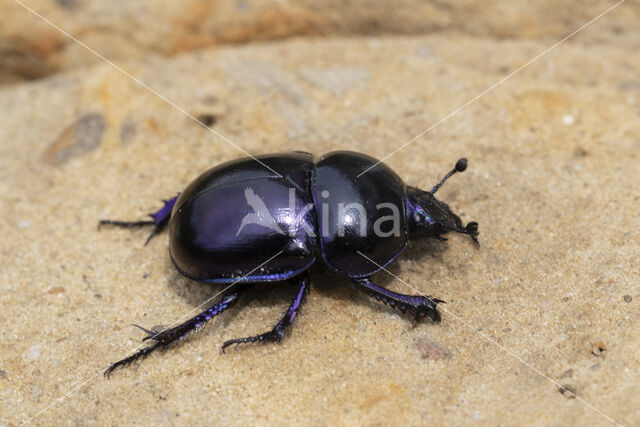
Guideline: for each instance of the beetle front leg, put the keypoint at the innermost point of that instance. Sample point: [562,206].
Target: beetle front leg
[278,332]
[415,304]
[166,337]
[160,219]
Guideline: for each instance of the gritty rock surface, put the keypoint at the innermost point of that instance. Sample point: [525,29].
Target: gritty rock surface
[556,199]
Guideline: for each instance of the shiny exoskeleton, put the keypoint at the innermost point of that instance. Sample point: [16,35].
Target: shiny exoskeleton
[240,223]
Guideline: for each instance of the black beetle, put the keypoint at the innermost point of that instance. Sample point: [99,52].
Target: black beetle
[238,214]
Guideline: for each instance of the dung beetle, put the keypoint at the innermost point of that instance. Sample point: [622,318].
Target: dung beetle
[238,223]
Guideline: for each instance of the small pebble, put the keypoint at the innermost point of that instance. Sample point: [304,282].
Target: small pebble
[207,119]
[568,119]
[599,349]
[567,391]
[627,298]
[34,352]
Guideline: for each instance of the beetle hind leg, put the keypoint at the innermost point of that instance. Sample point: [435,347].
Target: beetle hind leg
[168,336]
[278,332]
[159,220]
[415,304]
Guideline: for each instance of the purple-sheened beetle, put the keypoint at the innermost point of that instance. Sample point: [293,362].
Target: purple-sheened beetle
[238,214]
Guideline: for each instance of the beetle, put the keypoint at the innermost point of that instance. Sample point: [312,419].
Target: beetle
[238,213]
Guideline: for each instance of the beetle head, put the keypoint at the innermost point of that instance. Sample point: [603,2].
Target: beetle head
[429,217]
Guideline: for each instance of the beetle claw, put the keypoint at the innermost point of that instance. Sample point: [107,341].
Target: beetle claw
[429,310]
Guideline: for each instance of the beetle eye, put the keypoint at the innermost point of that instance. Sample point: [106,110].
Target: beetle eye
[418,218]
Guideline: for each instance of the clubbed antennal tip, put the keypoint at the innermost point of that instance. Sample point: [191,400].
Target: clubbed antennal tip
[461,166]
[472,228]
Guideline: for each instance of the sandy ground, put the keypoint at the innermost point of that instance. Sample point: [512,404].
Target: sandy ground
[550,298]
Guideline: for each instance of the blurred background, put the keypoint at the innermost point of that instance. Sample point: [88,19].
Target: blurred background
[121,29]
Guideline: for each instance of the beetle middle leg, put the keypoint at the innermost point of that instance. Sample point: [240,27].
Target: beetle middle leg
[166,337]
[415,304]
[278,332]
[160,219]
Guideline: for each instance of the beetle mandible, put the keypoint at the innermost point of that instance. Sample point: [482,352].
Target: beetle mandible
[238,213]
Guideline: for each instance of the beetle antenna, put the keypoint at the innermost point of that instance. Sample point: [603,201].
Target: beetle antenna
[461,166]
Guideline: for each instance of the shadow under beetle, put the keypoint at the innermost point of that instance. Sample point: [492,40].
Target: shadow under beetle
[238,214]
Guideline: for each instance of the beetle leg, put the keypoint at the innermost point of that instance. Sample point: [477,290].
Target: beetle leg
[415,304]
[166,337]
[160,219]
[278,332]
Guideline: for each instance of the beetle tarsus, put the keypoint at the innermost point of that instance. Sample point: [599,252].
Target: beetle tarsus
[128,360]
[157,227]
[275,335]
[124,224]
[278,332]
[417,305]
[166,337]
